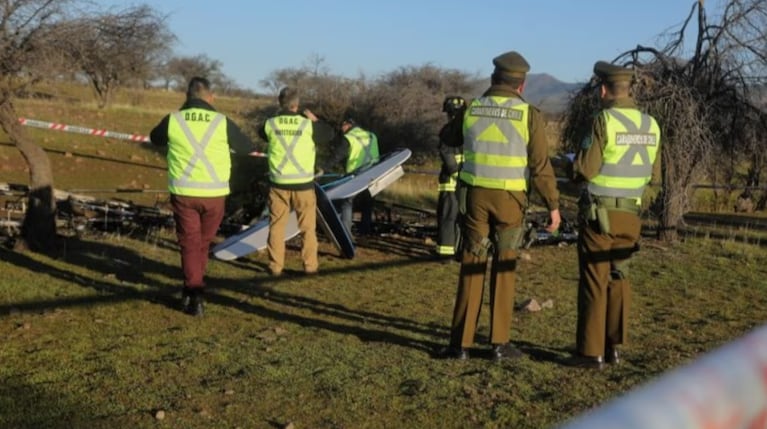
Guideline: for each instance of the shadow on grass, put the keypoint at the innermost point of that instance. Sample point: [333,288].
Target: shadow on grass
[359,320]
[123,263]
[128,266]
[394,245]
[248,264]
[364,333]
[23,406]
[339,311]
[537,352]
[110,261]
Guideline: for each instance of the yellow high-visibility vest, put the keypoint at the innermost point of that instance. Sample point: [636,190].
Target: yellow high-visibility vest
[631,146]
[495,136]
[199,163]
[291,149]
[363,149]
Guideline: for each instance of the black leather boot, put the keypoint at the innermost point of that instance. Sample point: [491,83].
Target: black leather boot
[193,302]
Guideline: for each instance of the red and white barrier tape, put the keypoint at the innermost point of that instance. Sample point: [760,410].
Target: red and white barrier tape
[97,132]
[82,130]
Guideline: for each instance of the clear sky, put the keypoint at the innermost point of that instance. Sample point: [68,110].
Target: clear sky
[559,37]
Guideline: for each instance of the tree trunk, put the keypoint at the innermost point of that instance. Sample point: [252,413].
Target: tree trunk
[105,97]
[672,215]
[754,171]
[38,230]
[672,211]
[761,203]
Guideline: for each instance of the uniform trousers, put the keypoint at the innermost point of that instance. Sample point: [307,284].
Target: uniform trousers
[604,295]
[448,230]
[489,212]
[365,203]
[197,221]
[304,202]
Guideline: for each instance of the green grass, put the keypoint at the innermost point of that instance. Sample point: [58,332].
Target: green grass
[92,337]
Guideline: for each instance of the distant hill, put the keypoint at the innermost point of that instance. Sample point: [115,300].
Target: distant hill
[543,90]
[548,93]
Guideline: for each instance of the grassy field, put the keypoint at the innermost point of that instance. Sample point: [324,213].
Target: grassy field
[92,337]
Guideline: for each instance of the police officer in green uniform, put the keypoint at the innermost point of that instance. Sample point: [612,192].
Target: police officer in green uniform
[617,160]
[505,147]
[199,142]
[448,229]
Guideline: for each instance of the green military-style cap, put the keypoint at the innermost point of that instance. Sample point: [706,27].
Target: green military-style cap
[512,64]
[607,72]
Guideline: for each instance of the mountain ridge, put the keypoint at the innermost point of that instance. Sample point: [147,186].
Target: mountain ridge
[543,90]
[549,93]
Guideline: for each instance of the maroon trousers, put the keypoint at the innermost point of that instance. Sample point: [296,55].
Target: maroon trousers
[197,221]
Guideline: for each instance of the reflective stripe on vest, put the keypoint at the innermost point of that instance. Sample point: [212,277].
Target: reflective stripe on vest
[443,250]
[632,142]
[452,180]
[198,167]
[363,149]
[495,136]
[290,162]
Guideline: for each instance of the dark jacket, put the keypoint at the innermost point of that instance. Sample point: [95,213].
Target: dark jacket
[339,154]
[239,143]
[448,148]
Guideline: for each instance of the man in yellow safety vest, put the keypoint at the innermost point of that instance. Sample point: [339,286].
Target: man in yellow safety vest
[292,138]
[358,148]
[199,141]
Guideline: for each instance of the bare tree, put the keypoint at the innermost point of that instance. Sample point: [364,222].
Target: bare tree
[116,48]
[39,39]
[180,69]
[317,65]
[326,94]
[704,105]
[288,76]
[30,49]
[402,106]
[405,105]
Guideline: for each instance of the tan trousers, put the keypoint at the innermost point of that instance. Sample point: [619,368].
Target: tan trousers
[603,298]
[486,207]
[304,202]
